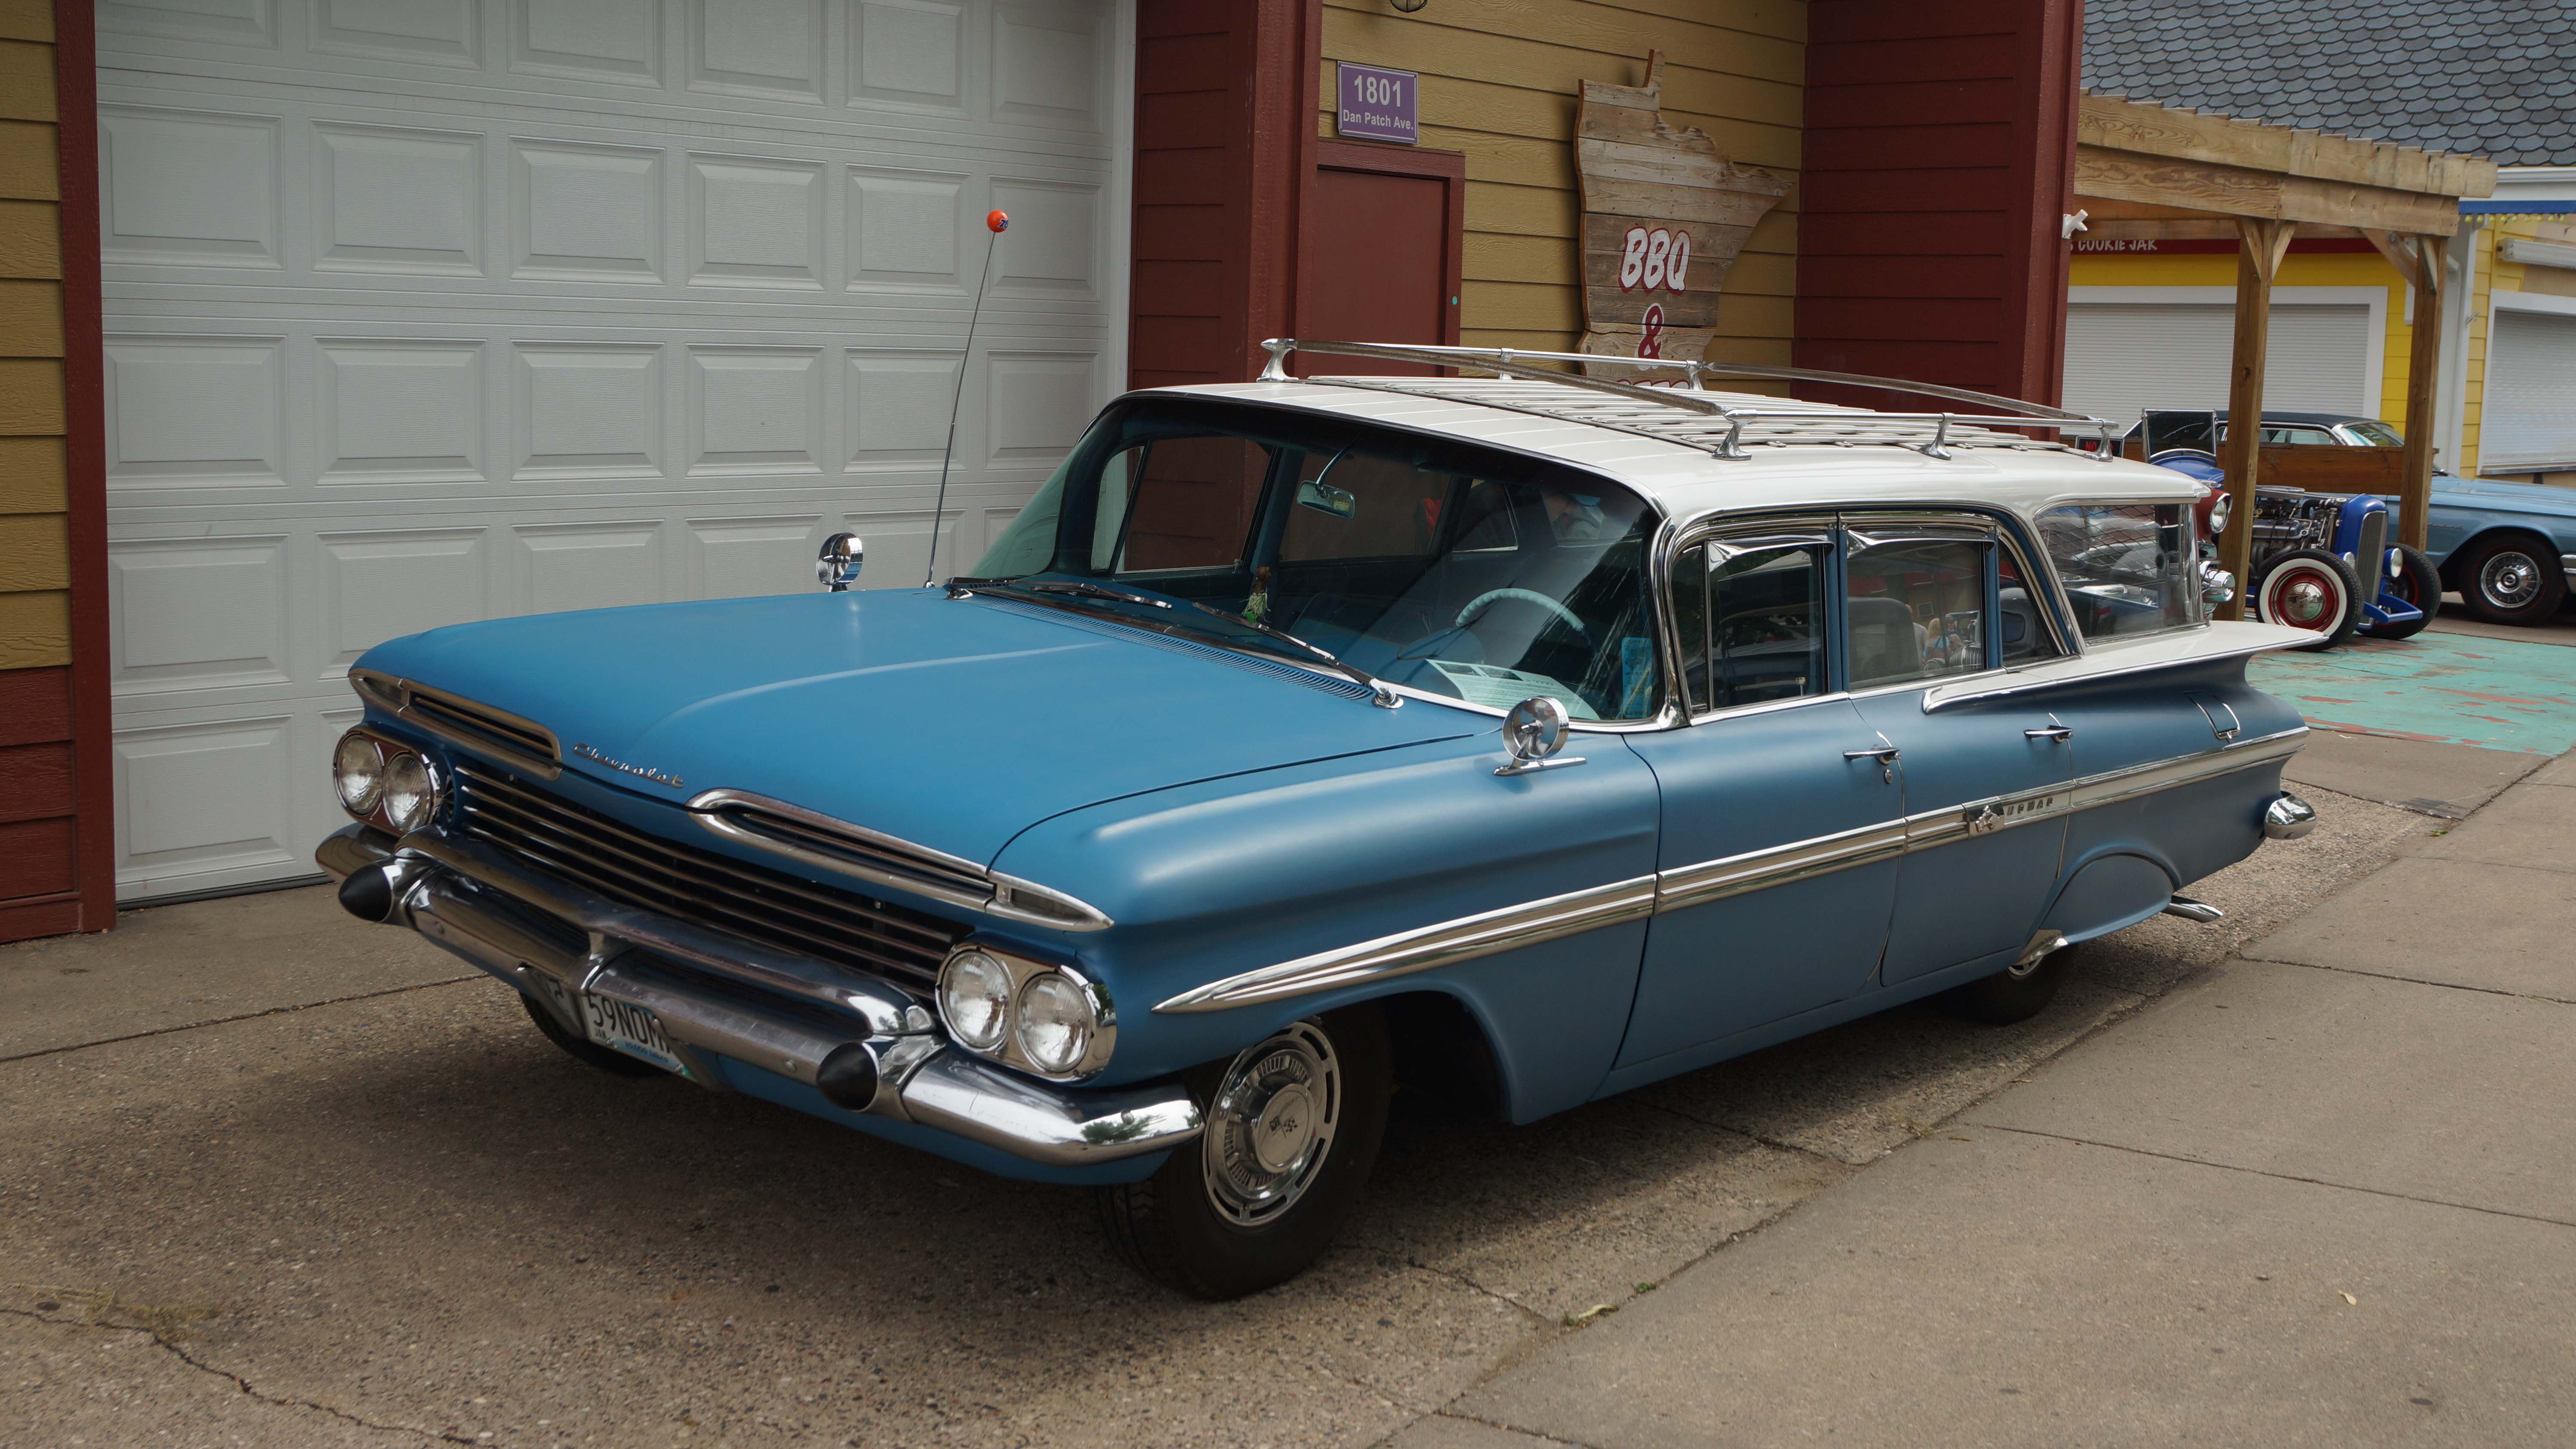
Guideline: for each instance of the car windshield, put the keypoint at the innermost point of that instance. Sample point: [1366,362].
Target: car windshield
[1459,571]
[2375,435]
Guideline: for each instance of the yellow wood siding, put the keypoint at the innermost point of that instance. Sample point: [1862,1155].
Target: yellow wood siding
[1499,82]
[35,558]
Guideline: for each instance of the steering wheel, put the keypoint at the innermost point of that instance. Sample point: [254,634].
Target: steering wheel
[1476,605]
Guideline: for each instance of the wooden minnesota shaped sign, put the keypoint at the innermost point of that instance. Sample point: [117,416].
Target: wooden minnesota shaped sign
[1664,216]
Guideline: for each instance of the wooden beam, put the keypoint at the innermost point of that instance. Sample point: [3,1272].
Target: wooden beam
[2260,244]
[2400,254]
[2423,364]
[2153,130]
[2207,186]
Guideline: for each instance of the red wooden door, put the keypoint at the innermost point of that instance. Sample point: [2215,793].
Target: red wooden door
[1382,253]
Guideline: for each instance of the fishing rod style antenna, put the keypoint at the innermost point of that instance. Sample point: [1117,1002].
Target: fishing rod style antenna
[995,223]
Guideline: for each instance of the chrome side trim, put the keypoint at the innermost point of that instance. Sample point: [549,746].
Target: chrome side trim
[2061,675]
[1734,875]
[1470,937]
[403,699]
[1445,944]
[952,880]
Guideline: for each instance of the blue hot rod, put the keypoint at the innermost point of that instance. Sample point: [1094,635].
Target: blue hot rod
[1529,737]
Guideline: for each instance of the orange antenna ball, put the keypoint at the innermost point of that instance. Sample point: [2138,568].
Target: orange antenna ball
[998,220]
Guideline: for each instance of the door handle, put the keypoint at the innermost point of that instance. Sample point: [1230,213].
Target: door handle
[1884,754]
[2053,732]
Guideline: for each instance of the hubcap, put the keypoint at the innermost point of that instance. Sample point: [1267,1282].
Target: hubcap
[2302,598]
[1271,1125]
[2510,580]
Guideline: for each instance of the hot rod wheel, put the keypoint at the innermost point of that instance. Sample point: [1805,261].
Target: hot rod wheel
[1293,1127]
[2307,589]
[2418,583]
[2510,579]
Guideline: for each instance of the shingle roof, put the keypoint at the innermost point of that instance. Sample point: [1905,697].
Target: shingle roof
[2492,78]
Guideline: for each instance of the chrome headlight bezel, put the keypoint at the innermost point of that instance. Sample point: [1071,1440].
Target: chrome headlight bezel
[391,754]
[364,806]
[1097,1032]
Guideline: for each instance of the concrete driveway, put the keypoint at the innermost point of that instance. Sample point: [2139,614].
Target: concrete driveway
[277,1178]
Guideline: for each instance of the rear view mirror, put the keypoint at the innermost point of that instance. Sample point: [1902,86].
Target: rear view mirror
[1325,498]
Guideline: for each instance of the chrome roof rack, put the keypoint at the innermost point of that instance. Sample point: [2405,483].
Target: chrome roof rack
[1687,413]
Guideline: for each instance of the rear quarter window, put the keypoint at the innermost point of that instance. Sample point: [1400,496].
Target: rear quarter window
[2127,567]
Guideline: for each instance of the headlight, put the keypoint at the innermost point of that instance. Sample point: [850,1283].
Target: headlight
[358,771]
[410,792]
[2219,513]
[1055,1023]
[975,999]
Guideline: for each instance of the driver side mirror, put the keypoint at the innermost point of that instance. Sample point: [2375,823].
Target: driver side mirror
[1533,732]
[836,567]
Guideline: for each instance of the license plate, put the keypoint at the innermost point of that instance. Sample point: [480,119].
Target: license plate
[631,1029]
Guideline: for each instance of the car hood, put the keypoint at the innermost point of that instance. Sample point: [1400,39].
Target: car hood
[2495,492]
[950,723]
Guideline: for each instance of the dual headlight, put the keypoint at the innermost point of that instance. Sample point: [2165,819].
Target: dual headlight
[384,783]
[1050,1020]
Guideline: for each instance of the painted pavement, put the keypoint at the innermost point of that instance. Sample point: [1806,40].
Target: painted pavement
[2443,688]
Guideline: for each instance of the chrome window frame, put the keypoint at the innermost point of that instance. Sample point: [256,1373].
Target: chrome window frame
[1841,524]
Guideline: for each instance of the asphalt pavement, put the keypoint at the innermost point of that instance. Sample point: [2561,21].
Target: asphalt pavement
[275,1177]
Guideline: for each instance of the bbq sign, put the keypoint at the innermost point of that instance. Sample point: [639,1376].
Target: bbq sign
[1379,104]
[1664,216]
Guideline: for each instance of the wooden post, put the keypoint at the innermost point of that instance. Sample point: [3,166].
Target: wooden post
[2260,244]
[2423,369]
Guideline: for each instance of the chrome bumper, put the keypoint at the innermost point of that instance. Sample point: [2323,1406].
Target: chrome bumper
[551,938]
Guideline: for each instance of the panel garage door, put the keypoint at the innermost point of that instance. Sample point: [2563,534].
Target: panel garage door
[422,311]
[2529,418]
[2123,358]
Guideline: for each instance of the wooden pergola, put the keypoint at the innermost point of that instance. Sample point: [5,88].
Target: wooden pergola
[2151,171]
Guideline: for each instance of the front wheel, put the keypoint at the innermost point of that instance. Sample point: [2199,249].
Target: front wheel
[2312,590]
[1293,1127]
[2511,580]
[2418,584]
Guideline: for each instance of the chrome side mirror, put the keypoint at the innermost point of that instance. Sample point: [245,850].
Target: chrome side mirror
[2217,585]
[837,566]
[1533,732]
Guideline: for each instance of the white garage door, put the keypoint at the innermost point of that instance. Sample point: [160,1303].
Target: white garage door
[2529,420]
[2123,358]
[422,311]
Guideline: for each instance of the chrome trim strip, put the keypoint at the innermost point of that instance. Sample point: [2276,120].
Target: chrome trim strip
[1734,875]
[2064,678]
[394,696]
[2116,785]
[1445,944]
[967,885]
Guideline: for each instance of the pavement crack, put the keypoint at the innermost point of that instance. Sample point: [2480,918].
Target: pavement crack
[162,1341]
[2282,1176]
[1776,1144]
[1495,1424]
[2416,980]
[83,1046]
[1472,1286]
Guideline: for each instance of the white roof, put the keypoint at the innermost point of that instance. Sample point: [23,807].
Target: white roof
[1686,479]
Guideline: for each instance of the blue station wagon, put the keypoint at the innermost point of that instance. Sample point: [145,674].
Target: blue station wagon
[1528,738]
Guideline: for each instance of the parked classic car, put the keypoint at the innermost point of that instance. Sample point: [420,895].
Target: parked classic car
[2507,549]
[1527,739]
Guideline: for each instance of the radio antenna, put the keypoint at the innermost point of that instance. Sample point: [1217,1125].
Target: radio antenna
[995,223]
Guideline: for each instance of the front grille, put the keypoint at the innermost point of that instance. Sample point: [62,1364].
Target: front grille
[2370,560]
[699,886]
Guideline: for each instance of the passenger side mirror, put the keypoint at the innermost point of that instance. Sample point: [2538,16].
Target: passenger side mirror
[836,567]
[1342,503]
[1533,732]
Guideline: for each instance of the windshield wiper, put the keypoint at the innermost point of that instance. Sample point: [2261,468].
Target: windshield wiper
[1380,692]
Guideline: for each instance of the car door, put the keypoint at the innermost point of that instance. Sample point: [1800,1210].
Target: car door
[1781,824]
[1986,782]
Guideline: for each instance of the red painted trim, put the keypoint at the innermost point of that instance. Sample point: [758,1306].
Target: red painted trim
[85,416]
[1446,167]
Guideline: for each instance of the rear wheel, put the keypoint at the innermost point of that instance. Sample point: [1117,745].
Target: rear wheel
[616,1064]
[2014,993]
[2511,579]
[1293,1127]
[2311,590]
[2417,583]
